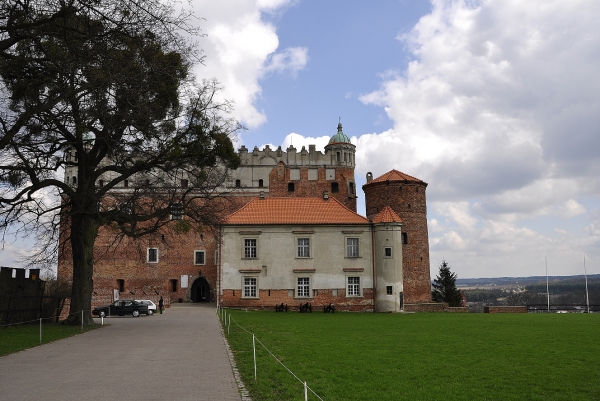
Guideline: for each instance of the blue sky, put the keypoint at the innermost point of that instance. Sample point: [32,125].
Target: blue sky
[494,103]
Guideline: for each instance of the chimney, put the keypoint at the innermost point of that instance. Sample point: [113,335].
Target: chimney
[262,195]
[369,177]
[325,195]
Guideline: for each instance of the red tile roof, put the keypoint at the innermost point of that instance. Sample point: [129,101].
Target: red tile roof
[387,215]
[394,175]
[294,211]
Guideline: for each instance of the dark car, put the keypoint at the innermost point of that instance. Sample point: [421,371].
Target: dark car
[121,308]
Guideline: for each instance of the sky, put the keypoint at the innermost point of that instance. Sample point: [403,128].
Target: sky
[495,104]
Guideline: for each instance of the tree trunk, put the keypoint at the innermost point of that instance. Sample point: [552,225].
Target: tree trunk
[83,235]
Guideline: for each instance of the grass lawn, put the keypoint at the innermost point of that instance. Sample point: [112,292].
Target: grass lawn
[23,336]
[435,356]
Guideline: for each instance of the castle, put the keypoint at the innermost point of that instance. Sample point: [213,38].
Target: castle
[292,235]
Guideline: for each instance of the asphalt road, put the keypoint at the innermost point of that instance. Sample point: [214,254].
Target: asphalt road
[179,355]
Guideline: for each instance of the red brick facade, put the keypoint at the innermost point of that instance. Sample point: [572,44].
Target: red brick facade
[407,198]
[344,191]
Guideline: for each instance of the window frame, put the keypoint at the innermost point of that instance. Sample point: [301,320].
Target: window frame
[349,247]
[305,290]
[305,247]
[176,210]
[391,255]
[353,290]
[248,287]
[148,255]
[196,253]
[245,247]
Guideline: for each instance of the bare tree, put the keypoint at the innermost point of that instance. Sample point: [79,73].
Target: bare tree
[101,92]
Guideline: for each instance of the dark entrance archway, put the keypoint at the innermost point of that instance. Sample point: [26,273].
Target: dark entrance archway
[200,290]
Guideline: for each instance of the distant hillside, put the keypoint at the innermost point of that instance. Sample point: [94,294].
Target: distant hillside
[511,282]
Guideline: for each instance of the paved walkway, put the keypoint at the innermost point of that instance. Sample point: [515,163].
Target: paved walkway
[179,355]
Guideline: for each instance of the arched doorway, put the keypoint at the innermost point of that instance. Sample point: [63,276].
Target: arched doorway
[200,290]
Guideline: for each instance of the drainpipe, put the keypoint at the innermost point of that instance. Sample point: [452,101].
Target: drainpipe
[373,266]
[219,241]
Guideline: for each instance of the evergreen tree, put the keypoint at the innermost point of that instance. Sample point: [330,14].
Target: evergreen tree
[444,287]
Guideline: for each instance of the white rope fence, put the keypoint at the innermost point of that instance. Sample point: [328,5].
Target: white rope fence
[40,320]
[226,319]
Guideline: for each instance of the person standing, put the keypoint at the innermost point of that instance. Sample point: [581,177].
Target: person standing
[160,304]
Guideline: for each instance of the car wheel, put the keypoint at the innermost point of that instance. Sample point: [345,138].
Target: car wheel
[135,313]
[102,313]
[150,312]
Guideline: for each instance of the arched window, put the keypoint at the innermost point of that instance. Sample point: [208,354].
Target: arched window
[260,183]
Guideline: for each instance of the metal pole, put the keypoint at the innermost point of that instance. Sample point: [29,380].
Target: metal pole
[587,295]
[82,320]
[40,330]
[547,288]
[305,392]
[254,350]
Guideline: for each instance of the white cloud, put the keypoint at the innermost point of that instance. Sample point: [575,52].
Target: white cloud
[241,47]
[498,112]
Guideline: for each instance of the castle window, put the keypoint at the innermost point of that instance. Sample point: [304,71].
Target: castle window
[173,285]
[238,183]
[353,287]
[404,238]
[184,183]
[351,187]
[303,288]
[74,180]
[388,290]
[152,255]
[126,183]
[100,183]
[338,156]
[250,286]
[352,247]
[250,248]
[199,257]
[304,247]
[176,210]
[345,157]
[290,187]
[260,183]
[121,285]
[387,252]
[335,188]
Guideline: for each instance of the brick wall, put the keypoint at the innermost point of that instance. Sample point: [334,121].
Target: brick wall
[408,200]
[267,299]
[505,309]
[280,177]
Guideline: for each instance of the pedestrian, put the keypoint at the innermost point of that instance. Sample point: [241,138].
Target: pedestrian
[160,304]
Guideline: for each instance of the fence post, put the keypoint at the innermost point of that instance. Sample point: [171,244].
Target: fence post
[82,320]
[254,351]
[305,392]
[40,330]
[228,324]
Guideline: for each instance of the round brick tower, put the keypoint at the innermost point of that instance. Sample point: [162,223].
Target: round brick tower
[406,196]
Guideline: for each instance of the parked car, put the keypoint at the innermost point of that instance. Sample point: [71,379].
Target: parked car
[121,308]
[151,305]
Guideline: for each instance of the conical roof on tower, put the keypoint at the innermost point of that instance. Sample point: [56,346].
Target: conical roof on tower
[387,215]
[395,175]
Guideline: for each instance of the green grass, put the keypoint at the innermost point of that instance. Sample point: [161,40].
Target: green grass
[365,356]
[23,336]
